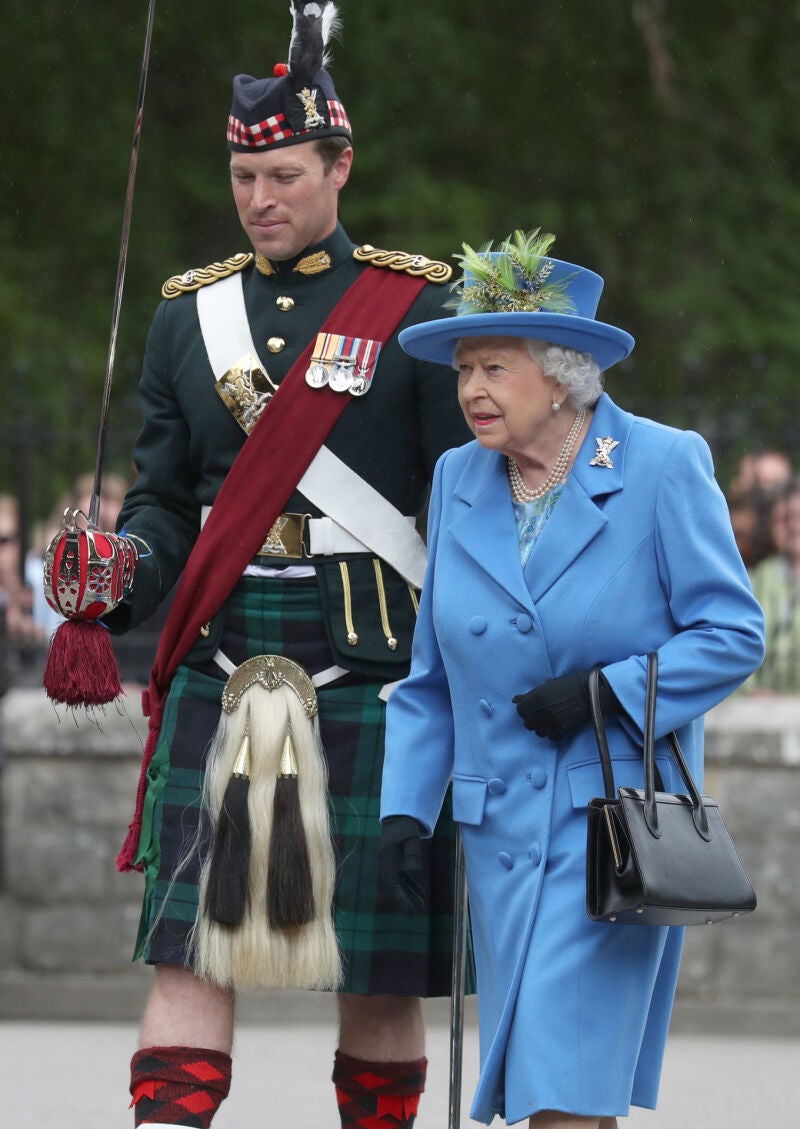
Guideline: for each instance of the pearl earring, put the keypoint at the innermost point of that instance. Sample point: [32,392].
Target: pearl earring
[556,406]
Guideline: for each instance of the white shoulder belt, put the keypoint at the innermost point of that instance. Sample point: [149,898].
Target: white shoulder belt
[329,484]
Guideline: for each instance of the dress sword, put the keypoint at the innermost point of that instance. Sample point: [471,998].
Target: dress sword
[94,507]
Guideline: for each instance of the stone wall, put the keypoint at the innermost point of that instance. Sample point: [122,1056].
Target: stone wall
[68,918]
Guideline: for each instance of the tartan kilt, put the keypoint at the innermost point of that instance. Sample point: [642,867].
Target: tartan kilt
[382,952]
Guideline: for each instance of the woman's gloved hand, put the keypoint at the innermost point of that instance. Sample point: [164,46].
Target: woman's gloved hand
[561,706]
[400,884]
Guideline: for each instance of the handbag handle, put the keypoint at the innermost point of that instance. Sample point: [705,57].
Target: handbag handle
[699,814]
[600,734]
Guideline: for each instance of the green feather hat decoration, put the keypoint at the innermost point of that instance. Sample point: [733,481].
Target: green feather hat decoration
[518,290]
[512,279]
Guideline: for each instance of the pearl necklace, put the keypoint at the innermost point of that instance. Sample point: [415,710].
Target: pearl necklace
[520,492]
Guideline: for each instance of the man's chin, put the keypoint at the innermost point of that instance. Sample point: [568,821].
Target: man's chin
[276,246]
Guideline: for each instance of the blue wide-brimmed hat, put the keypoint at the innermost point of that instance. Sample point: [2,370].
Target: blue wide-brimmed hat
[519,291]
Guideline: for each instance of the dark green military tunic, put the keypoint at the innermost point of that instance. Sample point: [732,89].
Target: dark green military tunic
[391,437]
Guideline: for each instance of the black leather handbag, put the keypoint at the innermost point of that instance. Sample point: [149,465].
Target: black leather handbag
[655,858]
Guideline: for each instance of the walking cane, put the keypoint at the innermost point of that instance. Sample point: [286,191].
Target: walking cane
[457,991]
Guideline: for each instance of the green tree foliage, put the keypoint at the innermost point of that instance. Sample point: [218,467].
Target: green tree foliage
[655,137]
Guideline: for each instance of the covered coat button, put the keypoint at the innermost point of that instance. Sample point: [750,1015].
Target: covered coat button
[498,787]
[486,708]
[477,625]
[505,860]
[535,854]
[524,623]
[537,776]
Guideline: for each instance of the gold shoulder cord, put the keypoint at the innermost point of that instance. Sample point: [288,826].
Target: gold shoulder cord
[418,265]
[194,279]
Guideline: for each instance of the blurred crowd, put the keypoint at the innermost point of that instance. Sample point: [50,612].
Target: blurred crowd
[763,500]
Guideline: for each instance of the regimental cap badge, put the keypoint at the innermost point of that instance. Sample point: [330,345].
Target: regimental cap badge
[308,100]
[299,102]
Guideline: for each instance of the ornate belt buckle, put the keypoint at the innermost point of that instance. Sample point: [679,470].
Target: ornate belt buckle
[286,538]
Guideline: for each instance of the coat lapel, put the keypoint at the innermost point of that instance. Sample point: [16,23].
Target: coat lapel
[573,524]
[578,517]
[485,528]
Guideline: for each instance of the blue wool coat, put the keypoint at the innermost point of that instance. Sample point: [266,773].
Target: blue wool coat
[639,557]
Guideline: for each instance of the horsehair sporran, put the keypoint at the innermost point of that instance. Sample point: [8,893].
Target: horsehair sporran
[253,955]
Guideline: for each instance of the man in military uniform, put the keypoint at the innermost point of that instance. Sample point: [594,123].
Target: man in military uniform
[329,582]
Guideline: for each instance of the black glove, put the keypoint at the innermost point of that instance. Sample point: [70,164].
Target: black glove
[400,884]
[561,706]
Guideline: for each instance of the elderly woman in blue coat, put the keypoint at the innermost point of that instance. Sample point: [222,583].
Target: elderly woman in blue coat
[570,535]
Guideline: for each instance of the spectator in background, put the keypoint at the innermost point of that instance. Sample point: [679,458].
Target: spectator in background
[776,584]
[760,479]
[15,596]
[762,470]
[112,494]
[778,519]
[744,517]
[9,542]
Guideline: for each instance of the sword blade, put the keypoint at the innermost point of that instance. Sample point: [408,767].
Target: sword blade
[94,507]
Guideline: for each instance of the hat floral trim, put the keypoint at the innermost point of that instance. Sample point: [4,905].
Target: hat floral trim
[511,279]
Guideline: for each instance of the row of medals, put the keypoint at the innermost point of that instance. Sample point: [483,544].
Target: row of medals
[340,375]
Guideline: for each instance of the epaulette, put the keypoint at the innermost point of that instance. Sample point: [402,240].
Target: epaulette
[194,279]
[418,265]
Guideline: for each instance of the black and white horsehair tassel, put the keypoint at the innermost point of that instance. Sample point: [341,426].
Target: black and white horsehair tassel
[227,891]
[290,890]
[314,24]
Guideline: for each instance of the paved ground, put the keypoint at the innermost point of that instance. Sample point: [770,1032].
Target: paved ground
[707,1084]
[75,1076]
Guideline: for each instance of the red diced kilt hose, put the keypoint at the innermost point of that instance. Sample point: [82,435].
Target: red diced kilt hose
[383,952]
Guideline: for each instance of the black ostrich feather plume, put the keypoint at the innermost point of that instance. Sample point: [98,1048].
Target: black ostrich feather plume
[314,24]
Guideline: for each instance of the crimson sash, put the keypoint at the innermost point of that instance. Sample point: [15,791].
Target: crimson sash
[266,471]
